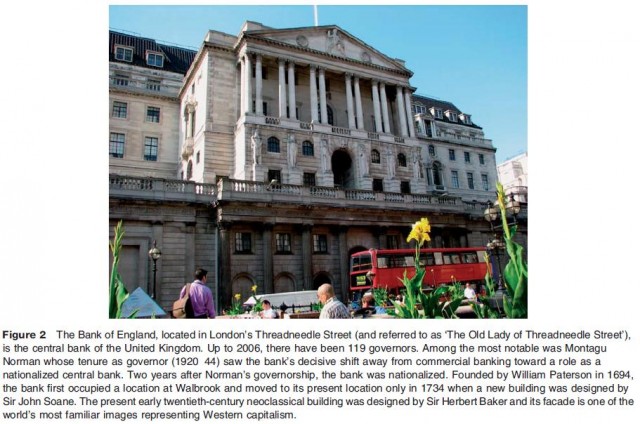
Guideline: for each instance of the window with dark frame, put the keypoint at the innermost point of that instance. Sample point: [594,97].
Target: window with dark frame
[116,145]
[119,110]
[273,145]
[320,243]
[307,148]
[485,182]
[481,159]
[151,148]
[243,242]
[283,243]
[405,187]
[375,156]
[153,114]
[467,157]
[274,174]
[378,185]
[452,154]
[470,180]
[402,160]
[308,179]
[455,182]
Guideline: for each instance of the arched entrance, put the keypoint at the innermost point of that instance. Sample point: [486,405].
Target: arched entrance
[320,279]
[341,165]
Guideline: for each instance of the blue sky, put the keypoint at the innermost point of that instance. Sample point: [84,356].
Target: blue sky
[472,56]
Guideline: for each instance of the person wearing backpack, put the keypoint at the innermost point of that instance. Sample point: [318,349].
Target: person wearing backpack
[200,296]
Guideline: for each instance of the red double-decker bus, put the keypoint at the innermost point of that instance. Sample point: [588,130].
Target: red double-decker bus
[379,268]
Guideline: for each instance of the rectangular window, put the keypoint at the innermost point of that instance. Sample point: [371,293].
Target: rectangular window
[309,179]
[452,154]
[153,114]
[470,180]
[121,80]
[377,185]
[274,174]
[392,242]
[405,187]
[153,84]
[119,110]
[243,242]
[485,182]
[427,128]
[454,179]
[320,243]
[481,159]
[155,59]
[283,243]
[116,145]
[467,157]
[124,53]
[151,148]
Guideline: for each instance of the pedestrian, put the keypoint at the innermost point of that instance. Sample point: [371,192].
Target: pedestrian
[332,307]
[470,293]
[200,296]
[267,312]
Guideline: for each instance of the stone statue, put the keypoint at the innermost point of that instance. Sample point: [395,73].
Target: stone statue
[293,150]
[324,154]
[417,163]
[391,163]
[334,42]
[256,147]
[363,160]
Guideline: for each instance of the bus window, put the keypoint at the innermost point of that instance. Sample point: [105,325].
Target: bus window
[470,258]
[361,262]
[455,259]
[447,259]
[409,261]
[383,262]
[438,257]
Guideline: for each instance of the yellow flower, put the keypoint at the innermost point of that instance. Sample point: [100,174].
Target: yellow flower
[420,231]
[237,296]
[254,288]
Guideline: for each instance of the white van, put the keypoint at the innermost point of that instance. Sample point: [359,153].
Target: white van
[300,300]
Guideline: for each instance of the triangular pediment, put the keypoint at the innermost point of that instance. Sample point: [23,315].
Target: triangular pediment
[330,40]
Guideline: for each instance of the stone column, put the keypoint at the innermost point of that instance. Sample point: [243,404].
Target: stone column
[349,94]
[224,261]
[267,257]
[402,117]
[292,90]
[360,120]
[247,82]
[385,108]
[407,105]
[307,277]
[282,93]
[376,105]
[343,283]
[259,110]
[323,99]
[313,93]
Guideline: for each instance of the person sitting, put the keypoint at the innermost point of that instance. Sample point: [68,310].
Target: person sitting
[267,312]
[369,306]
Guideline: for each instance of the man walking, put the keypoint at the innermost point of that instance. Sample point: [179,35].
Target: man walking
[332,307]
[201,296]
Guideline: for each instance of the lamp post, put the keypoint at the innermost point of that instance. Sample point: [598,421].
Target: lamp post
[491,213]
[154,254]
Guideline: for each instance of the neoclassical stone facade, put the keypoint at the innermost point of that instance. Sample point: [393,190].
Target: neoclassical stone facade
[302,146]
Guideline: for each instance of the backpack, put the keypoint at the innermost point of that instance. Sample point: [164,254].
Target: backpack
[182,307]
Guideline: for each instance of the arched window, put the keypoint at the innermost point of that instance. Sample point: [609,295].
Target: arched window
[189,170]
[307,148]
[402,160]
[375,156]
[432,150]
[273,145]
[437,174]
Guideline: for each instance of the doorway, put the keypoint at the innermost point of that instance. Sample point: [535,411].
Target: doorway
[341,165]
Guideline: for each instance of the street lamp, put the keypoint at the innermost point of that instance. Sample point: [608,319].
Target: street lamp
[154,254]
